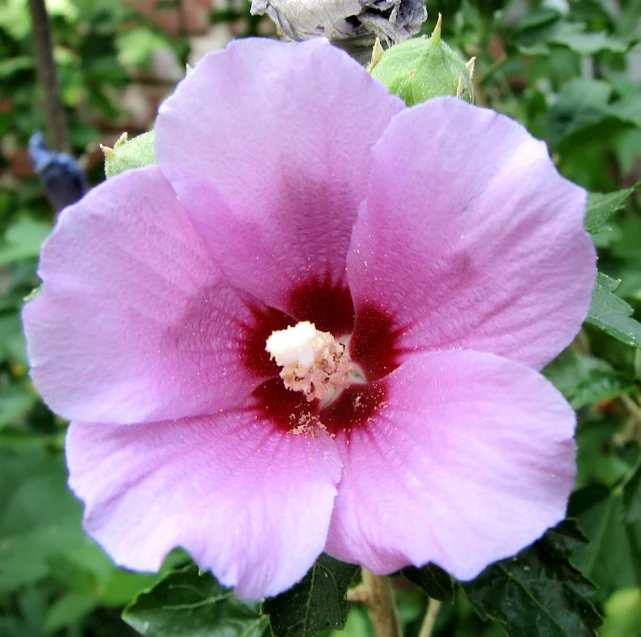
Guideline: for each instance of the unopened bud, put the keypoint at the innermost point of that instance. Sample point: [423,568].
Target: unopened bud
[417,70]
[129,153]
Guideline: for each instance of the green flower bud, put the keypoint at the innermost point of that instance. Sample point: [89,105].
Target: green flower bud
[129,153]
[419,69]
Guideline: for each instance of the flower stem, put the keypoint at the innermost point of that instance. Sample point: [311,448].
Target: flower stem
[429,622]
[381,606]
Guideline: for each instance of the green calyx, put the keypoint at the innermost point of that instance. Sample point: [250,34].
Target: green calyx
[419,69]
[129,153]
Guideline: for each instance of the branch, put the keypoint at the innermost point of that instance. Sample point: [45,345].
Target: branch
[56,125]
[379,599]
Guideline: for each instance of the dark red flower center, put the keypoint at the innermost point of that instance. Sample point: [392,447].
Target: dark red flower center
[373,346]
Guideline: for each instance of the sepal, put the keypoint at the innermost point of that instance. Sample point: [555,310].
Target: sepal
[420,69]
[129,153]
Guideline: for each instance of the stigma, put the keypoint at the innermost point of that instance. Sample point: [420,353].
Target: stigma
[313,362]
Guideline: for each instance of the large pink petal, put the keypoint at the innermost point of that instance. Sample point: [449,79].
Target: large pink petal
[135,322]
[268,146]
[468,459]
[247,500]
[470,238]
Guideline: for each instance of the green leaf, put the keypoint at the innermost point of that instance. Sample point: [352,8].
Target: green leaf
[588,43]
[542,16]
[628,244]
[15,401]
[14,19]
[123,586]
[583,114]
[622,614]
[632,498]
[136,46]
[15,65]
[12,341]
[40,517]
[432,580]
[585,380]
[608,560]
[538,592]
[23,240]
[489,7]
[606,236]
[358,623]
[612,314]
[315,603]
[637,364]
[532,32]
[581,103]
[602,206]
[598,460]
[629,107]
[68,609]
[187,603]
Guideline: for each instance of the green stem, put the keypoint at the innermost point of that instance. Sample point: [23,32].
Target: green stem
[429,622]
[381,606]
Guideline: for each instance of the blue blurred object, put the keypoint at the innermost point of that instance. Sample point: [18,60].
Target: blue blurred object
[60,174]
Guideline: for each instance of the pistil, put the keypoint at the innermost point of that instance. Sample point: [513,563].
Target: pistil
[313,362]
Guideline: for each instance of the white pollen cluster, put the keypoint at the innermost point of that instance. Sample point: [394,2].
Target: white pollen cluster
[313,362]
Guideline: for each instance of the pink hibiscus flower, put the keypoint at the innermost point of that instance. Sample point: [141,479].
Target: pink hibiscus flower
[431,259]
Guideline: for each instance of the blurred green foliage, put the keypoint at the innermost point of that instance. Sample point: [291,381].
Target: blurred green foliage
[54,580]
[569,71]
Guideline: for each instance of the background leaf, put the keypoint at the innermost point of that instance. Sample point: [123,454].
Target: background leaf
[632,497]
[539,592]
[612,314]
[609,559]
[588,43]
[585,380]
[23,240]
[601,207]
[433,581]
[187,603]
[585,113]
[315,603]
[40,517]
